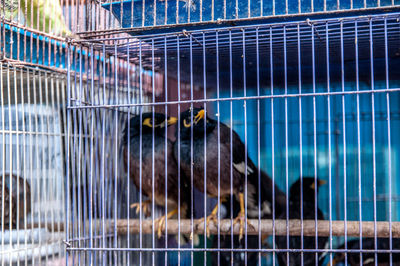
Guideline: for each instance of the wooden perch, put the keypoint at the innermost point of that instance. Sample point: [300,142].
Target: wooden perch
[266,227]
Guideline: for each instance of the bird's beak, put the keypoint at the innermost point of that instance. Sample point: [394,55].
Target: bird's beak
[172,121]
[200,115]
[320,183]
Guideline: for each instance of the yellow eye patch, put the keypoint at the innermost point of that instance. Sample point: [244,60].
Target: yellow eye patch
[185,123]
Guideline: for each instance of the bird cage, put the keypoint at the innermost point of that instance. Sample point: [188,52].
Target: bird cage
[292,122]
[33,119]
[201,132]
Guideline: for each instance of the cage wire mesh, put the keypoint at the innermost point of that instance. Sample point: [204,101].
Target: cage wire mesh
[312,102]
[32,165]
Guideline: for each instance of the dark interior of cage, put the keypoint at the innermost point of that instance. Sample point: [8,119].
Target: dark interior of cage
[307,99]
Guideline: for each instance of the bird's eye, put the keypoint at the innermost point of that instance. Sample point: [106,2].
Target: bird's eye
[186,123]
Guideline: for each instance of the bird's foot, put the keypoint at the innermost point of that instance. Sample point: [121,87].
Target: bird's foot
[161,222]
[242,217]
[145,206]
[208,219]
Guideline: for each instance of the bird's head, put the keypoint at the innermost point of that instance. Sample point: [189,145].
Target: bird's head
[150,122]
[196,119]
[309,186]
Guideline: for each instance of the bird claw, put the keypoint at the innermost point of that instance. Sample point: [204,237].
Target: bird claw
[211,217]
[161,225]
[240,219]
[145,207]
[161,222]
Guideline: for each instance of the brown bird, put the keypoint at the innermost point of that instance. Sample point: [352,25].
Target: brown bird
[13,191]
[197,122]
[141,131]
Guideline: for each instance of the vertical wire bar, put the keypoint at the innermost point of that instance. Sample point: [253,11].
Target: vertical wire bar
[45,139]
[286,7]
[314,139]
[140,153]
[128,189]
[76,174]
[103,144]
[31,144]
[38,168]
[166,142]
[258,144]
[231,137]
[56,136]
[245,141]
[212,10]
[177,12]
[301,145]
[179,147]
[17,153]
[52,137]
[344,139]
[358,139]
[79,174]
[67,194]
[10,155]
[116,64]
[91,157]
[389,143]
[44,176]
[205,145]
[219,148]
[83,176]
[273,7]
[189,7]
[237,9]
[224,8]
[272,142]
[328,85]
[153,244]
[143,13]
[201,10]
[248,9]
[373,135]
[286,146]
[24,163]
[191,148]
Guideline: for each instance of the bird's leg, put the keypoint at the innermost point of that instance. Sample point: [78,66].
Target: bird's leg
[211,217]
[161,221]
[145,206]
[241,216]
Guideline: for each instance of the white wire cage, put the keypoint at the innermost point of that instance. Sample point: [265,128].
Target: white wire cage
[32,169]
[315,98]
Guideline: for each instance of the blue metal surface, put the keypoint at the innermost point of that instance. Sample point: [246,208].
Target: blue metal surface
[145,13]
[26,46]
